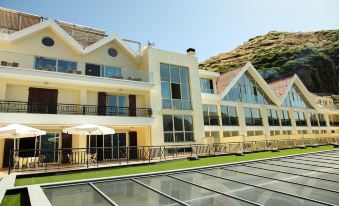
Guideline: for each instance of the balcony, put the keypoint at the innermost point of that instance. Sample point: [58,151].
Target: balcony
[285,122]
[322,123]
[19,61]
[211,120]
[72,109]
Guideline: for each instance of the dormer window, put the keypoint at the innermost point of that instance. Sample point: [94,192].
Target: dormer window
[206,86]
[47,41]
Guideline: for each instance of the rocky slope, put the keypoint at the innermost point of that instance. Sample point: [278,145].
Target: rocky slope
[314,56]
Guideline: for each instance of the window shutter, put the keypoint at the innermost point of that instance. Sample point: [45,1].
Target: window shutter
[132,105]
[102,103]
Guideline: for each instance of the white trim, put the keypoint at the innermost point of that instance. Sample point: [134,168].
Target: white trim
[208,74]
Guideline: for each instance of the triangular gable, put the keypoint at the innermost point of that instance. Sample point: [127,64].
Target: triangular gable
[302,91]
[108,40]
[24,33]
[16,36]
[250,70]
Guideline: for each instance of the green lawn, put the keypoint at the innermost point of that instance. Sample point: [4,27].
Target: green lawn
[11,200]
[179,164]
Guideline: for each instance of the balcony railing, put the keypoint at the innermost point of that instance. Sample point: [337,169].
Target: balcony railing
[314,122]
[74,109]
[211,120]
[273,122]
[285,122]
[322,123]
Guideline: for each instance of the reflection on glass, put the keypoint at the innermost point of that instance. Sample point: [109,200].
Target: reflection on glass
[67,66]
[128,192]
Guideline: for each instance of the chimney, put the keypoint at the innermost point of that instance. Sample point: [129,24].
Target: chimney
[190,52]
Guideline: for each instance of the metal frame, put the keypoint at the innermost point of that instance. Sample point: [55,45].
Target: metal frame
[202,170]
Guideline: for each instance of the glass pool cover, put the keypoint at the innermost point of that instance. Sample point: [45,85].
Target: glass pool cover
[310,179]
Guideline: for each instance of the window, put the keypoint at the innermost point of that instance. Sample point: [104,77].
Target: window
[229,116]
[112,52]
[272,117]
[47,41]
[255,133]
[46,64]
[295,98]
[117,105]
[252,116]
[93,70]
[284,118]
[333,119]
[112,72]
[206,86]
[210,114]
[300,119]
[247,90]
[230,133]
[175,89]
[313,119]
[274,132]
[213,134]
[178,128]
[67,66]
[322,121]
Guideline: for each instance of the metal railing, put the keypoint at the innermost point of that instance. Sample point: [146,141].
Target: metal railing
[42,160]
[75,109]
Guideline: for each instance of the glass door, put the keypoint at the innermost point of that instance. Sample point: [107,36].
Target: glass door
[48,145]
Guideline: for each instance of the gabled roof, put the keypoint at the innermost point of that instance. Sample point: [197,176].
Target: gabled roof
[227,80]
[76,46]
[295,80]
[280,86]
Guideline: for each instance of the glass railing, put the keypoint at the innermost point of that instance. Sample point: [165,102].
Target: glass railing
[230,121]
[26,61]
[211,120]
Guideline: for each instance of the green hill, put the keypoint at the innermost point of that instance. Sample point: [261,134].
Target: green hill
[314,56]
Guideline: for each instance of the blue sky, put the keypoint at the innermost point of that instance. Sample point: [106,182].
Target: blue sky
[209,26]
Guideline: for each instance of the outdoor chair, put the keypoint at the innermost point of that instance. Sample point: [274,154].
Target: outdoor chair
[69,158]
[41,159]
[94,158]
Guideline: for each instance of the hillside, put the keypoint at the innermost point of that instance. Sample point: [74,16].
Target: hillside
[314,56]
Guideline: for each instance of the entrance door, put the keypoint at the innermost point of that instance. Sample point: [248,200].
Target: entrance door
[9,144]
[42,101]
[133,143]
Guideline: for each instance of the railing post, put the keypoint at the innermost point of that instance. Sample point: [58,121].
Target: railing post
[10,161]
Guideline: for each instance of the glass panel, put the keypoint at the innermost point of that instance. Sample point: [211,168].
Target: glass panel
[128,192]
[168,137]
[168,123]
[188,122]
[48,145]
[79,195]
[111,101]
[122,101]
[186,105]
[188,193]
[112,72]
[92,70]
[185,92]
[165,90]
[184,75]
[67,66]
[174,70]
[42,63]
[164,72]
[178,123]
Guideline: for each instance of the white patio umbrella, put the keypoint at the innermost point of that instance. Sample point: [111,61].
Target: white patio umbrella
[89,129]
[17,131]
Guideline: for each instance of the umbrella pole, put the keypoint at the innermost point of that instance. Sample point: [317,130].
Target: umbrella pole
[89,146]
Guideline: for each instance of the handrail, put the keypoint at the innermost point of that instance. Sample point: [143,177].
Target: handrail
[61,108]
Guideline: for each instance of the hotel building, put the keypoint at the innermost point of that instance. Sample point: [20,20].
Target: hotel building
[55,74]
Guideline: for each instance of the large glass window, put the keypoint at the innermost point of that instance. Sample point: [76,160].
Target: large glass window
[178,128]
[295,98]
[284,118]
[229,116]
[67,66]
[272,117]
[93,70]
[247,90]
[112,72]
[300,119]
[117,105]
[175,88]
[206,86]
[42,63]
[210,114]
[252,116]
